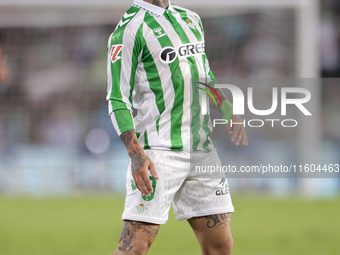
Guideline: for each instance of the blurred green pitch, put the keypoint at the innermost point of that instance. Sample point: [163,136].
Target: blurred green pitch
[91,226]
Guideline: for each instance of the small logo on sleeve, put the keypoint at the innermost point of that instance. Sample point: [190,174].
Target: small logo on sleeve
[115,51]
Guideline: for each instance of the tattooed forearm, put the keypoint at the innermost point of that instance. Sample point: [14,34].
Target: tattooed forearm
[218,220]
[135,151]
[131,143]
[212,103]
[130,230]
[138,161]
[161,3]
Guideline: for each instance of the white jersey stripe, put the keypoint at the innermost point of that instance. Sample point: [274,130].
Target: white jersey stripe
[165,120]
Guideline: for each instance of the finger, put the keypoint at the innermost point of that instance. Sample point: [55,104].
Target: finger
[229,128]
[153,171]
[239,137]
[137,182]
[140,185]
[245,140]
[236,130]
[147,183]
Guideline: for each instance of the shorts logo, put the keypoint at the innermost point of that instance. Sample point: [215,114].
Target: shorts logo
[115,50]
[169,54]
[224,188]
[141,208]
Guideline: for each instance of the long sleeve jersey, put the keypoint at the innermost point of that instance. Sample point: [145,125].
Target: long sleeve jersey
[155,57]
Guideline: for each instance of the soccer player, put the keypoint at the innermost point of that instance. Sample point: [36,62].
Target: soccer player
[155,55]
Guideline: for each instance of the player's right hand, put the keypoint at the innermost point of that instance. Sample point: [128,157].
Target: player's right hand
[140,164]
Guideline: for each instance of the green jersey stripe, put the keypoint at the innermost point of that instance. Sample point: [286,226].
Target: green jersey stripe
[207,131]
[123,119]
[178,83]
[195,129]
[195,124]
[137,49]
[154,82]
[146,142]
[195,112]
[116,39]
[200,23]
[185,17]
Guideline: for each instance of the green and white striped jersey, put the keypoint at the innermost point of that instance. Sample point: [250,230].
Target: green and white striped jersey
[153,56]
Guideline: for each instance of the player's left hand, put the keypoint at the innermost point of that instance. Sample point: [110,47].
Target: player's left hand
[237,131]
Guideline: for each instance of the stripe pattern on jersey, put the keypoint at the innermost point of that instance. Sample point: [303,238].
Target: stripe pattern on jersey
[162,93]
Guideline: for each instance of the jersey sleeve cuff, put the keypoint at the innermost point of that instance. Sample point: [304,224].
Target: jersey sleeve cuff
[122,121]
[227,109]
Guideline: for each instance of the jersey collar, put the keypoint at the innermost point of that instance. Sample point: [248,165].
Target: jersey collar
[152,8]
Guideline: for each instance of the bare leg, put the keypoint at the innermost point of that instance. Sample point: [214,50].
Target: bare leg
[213,233]
[136,238]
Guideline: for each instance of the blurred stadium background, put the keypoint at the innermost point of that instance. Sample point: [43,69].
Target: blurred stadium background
[56,139]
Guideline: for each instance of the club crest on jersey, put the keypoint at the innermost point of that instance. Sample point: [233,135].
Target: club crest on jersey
[190,24]
[169,54]
[115,50]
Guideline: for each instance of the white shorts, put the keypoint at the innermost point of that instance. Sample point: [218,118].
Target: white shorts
[190,195]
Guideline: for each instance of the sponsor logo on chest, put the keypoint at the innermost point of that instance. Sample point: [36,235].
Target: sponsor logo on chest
[169,54]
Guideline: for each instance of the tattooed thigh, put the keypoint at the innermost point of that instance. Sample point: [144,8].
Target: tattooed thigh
[218,220]
[133,230]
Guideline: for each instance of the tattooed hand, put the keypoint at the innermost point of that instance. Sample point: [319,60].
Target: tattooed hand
[140,163]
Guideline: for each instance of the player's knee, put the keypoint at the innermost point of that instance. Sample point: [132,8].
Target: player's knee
[225,247]
[230,246]
[138,247]
[220,248]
